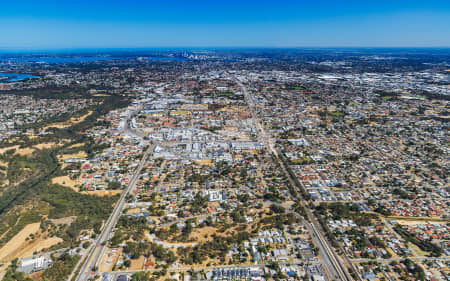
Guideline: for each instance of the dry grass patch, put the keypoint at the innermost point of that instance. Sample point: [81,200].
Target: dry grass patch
[203,234]
[67,181]
[394,254]
[7,252]
[134,211]
[417,250]
[206,162]
[416,222]
[76,145]
[3,150]
[66,220]
[25,151]
[3,269]
[29,150]
[36,245]
[3,164]
[137,264]
[417,219]
[103,193]
[80,154]
[63,157]
[46,145]
[68,123]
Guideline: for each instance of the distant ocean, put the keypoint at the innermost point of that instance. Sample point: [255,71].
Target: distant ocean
[14,77]
[58,59]
[79,59]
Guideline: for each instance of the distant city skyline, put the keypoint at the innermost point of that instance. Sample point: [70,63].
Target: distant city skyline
[50,24]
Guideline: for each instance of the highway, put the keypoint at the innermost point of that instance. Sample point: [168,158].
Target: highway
[331,261]
[98,250]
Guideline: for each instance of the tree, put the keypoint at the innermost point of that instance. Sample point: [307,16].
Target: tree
[173,228]
[140,276]
[277,208]
[86,245]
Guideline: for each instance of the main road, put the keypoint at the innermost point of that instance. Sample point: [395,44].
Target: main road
[92,263]
[331,260]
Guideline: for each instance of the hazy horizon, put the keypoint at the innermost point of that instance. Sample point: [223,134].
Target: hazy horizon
[6,50]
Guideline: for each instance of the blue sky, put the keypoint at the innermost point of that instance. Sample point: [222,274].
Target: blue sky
[214,23]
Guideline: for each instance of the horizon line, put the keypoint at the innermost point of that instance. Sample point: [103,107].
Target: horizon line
[228,47]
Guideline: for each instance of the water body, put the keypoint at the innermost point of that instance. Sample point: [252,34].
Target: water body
[80,59]
[59,59]
[14,77]
[166,59]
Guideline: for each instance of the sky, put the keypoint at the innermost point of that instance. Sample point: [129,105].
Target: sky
[53,24]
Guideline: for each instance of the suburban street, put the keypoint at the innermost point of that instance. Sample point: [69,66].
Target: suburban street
[331,261]
[94,258]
